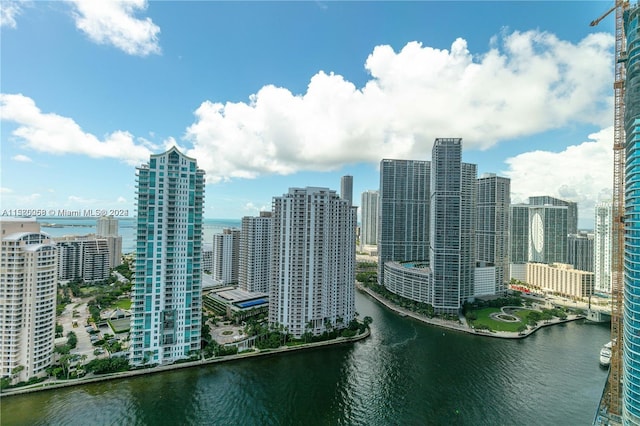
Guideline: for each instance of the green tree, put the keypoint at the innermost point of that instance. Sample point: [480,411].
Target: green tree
[72,339]
[5,382]
[65,364]
[62,349]
[307,335]
[367,320]
[108,365]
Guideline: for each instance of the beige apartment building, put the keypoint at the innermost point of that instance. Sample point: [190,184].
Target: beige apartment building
[561,279]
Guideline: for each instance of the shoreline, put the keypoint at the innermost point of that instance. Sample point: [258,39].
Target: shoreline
[40,387]
[456,326]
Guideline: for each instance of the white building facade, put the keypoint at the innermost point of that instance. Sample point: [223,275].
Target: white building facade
[85,257]
[255,253]
[369,221]
[107,227]
[28,270]
[602,248]
[226,255]
[313,263]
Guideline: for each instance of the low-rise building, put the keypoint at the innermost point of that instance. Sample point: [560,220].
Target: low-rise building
[561,279]
[236,303]
[411,280]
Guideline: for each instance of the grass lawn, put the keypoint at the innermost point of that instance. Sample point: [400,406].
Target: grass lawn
[87,291]
[123,304]
[484,318]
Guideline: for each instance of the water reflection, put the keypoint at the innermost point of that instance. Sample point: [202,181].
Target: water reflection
[406,373]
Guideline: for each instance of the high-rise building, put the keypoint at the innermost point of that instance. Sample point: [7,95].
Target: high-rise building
[602,248]
[255,253]
[346,188]
[580,251]
[28,269]
[492,230]
[226,255]
[207,258]
[83,257]
[572,209]
[548,234]
[452,231]
[167,294]
[369,215]
[403,228]
[518,241]
[538,233]
[519,234]
[427,229]
[631,306]
[107,227]
[313,261]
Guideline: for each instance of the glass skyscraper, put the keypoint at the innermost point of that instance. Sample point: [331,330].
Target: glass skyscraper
[452,226]
[369,212]
[572,209]
[492,229]
[404,212]
[167,292]
[631,320]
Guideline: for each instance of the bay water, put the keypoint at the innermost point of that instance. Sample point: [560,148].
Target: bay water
[405,373]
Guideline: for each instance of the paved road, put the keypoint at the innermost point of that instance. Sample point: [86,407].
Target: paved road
[66,319]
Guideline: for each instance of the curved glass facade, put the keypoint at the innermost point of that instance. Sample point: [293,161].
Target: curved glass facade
[631,320]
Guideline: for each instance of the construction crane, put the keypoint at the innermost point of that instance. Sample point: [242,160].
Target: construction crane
[613,397]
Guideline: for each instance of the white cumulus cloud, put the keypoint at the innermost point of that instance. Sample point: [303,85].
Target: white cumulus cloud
[55,134]
[254,208]
[114,22]
[9,11]
[581,173]
[525,83]
[21,158]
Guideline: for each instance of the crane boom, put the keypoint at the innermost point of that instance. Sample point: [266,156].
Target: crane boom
[604,15]
[614,394]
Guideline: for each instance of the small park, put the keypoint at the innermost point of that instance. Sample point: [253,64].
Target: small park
[512,314]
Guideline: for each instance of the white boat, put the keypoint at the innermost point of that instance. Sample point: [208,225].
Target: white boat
[605,354]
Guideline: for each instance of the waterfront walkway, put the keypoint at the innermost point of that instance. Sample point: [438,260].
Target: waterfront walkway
[56,384]
[461,324]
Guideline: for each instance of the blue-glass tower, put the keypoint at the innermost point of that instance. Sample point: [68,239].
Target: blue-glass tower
[166,297]
[631,322]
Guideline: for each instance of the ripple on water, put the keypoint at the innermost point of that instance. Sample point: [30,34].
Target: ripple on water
[406,373]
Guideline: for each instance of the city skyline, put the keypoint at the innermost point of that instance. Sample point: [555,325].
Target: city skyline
[264,111]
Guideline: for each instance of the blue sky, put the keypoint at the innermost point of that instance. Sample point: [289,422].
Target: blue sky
[272,95]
